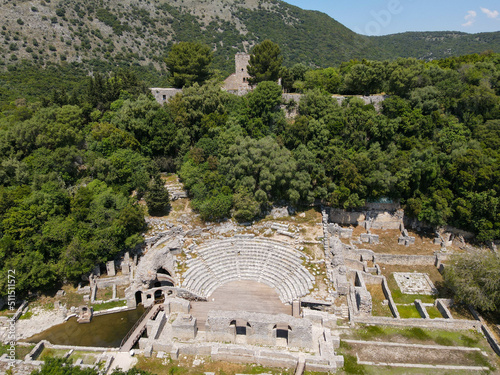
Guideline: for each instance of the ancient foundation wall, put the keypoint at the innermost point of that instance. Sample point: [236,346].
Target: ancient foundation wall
[344,217]
[354,264]
[163,95]
[489,335]
[421,309]
[443,308]
[446,324]
[388,295]
[405,260]
[369,218]
[260,328]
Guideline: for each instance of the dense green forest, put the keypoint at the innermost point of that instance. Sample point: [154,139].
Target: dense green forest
[74,164]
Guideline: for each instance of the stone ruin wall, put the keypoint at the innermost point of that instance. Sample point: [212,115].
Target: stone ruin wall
[260,328]
[369,218]
[163,95]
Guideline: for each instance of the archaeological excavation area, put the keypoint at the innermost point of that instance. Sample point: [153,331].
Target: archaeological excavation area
[314,290]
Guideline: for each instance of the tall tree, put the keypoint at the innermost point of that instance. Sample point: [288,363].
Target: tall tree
[189,62]
[157,197]
[475,279]
[265,62]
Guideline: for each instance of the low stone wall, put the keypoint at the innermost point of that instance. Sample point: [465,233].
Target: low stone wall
[372,279]
[36,351]
[260,328]
[354,264]
[491,339]
[394,259]
[388,295]
[263,358]
[459,232]
[113,310]
[487,332]
[405,260]
[20,311]
[105,282]
[446,324]
[163,95]
[381,280]
[442,306]
[421,309]
[82,348]
[344,217]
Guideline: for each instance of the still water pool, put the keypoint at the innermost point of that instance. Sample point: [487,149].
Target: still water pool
[103,331]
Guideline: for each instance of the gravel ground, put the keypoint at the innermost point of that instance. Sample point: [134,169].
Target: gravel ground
[39,322]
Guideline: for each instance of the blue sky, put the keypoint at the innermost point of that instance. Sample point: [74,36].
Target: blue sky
[381,17]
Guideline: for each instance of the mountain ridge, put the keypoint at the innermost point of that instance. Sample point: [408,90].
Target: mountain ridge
[140,32]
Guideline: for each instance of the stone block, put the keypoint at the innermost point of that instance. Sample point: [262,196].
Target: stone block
[184,327]
[110,268]
[125,268]
[363,301]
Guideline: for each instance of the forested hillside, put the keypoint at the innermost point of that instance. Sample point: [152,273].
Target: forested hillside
[87,36]
[73,167]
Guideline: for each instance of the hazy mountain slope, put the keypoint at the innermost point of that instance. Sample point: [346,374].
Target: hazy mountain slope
[436,45]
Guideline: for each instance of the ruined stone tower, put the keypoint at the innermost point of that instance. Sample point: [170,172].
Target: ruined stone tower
[241,60]
[237,83]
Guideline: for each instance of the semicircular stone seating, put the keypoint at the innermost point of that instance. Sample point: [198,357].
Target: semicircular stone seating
[259,259]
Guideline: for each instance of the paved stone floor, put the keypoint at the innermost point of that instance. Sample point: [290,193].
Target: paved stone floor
[240,295]
[414,283]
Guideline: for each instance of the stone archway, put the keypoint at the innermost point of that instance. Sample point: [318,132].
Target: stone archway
[138,297]
[281,331]
[240,330]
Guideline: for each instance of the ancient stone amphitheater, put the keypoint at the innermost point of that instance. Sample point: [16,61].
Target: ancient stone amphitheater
[260,260]
[235,299]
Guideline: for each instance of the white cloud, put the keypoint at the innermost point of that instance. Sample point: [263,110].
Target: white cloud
[490,13]
[470,18]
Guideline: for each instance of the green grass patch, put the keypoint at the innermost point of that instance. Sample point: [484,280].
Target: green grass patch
[479,360]
[378,308]
[407,312]
[399,297]
[370,332]
[433,312]
[469,341]
[6,311]
[258,369]
[416,333]
[351,365]
[55,353]
[108,305]
[21,351]
[167,366]
[88,358]
[27,315]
